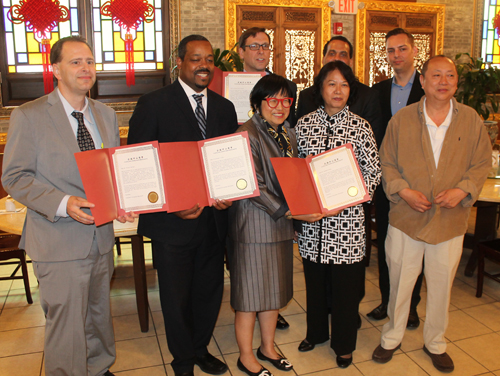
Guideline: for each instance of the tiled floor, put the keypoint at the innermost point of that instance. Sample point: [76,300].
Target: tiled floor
[473,333]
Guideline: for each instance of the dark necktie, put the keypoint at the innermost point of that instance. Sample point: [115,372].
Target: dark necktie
[200,115]
[83,136]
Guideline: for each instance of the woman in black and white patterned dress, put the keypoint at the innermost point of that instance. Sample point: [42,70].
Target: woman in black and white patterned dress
[333,248]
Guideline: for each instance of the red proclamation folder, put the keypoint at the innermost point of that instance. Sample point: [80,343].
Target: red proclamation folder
[184,176]
[300,185]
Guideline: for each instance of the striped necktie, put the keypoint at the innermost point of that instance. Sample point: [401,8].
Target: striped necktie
[85,141]
[200,115]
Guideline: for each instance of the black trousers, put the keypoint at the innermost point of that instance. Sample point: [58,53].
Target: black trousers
[343,283]
[191,280]
[382,207]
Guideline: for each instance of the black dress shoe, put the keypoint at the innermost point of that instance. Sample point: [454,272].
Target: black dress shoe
[263,371]
[282,323]
[108,373]
[189,373]
[379,313]
[413,320]
[210,364]
[280,363]
[305,346]
[344,362]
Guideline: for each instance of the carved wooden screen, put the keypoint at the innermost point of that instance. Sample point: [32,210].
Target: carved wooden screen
[295,39]
[425,24]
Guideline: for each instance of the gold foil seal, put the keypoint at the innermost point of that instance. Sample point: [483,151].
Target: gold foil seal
[152,197]
[352,191]
[241,184]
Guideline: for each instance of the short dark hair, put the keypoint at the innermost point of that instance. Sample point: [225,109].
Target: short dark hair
[267,86]
[182,48]
[252,32]
[398,31]
[341,38]
[344,69]
[426,64]
[56,50]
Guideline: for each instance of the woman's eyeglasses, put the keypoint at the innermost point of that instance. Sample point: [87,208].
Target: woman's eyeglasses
[285,102]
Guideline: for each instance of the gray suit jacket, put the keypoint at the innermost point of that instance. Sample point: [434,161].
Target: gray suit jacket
[261,219]
[39,169]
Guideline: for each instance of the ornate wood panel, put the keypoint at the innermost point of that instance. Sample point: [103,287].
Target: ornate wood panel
[298,30]
[424,21]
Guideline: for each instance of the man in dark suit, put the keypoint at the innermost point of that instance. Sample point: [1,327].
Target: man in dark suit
[254,48]
[72,258]
[364,103]
[395,93]
[189,244]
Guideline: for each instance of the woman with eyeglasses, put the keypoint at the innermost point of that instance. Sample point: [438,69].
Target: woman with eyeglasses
[333,248]
[260,235]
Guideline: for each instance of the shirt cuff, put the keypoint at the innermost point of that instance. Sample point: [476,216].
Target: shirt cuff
[61,210]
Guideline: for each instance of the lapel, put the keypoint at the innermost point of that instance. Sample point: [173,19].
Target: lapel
[60,122]
[212,114]
[385,99]
[101,126]
[416,91]
[184,106]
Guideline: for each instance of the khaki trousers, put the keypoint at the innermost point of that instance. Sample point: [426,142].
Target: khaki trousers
[404,258]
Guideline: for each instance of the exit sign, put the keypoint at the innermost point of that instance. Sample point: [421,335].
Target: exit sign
[346,6]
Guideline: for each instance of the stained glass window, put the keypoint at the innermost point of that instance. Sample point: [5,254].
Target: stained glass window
[490,51]
[109,44]
[24,53]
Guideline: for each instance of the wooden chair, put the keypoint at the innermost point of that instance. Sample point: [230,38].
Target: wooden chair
[9,249]
[491,250]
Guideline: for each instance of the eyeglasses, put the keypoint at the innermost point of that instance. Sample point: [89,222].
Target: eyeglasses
[256,46]
[273,102]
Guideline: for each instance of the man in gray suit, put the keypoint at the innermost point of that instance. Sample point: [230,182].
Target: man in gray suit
[72,258]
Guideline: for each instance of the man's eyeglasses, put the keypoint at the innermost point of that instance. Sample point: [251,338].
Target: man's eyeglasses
[273,102]
[256,46]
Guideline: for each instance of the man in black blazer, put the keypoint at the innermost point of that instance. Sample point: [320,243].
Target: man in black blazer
[254,48]
[189,244]
[395,93]
[364,102]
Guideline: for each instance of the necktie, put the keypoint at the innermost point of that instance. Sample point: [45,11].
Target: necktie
[83,136]
[200,115]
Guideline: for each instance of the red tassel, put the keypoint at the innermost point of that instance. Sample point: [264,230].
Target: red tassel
[48,77]
[129,59]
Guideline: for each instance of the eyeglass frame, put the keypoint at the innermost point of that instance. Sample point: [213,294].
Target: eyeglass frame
[258,46]
[280,100]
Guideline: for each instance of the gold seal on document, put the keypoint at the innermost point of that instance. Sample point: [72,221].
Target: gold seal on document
[241,184]
[152,197]
[352,191]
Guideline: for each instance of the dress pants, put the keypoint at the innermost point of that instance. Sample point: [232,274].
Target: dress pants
[404,257]
[191,280]
[382,207]
[79,338]
[344,283]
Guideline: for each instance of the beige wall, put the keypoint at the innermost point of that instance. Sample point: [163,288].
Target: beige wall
[207,18]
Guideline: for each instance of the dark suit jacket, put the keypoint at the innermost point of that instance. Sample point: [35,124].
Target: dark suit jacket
[364,104]
[383,90]
[167,116]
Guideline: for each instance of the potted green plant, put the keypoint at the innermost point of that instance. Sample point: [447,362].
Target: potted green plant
[478,85]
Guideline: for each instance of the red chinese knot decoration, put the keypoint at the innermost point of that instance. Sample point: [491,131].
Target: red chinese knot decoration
[41,16]
[129,14]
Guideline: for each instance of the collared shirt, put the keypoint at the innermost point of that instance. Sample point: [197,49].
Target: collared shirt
[190,92]
[400,94]
[437,133]
[88,118]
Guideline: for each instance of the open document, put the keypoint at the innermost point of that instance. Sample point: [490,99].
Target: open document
[174,176]
[323,183]
[237,87]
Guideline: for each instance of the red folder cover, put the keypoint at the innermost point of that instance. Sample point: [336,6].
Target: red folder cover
[183,174]
[299,186]
[216,83]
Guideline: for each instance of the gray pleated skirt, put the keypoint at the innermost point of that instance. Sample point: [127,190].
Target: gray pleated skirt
[261,275]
